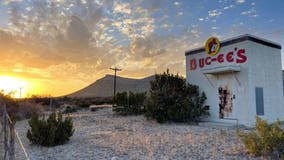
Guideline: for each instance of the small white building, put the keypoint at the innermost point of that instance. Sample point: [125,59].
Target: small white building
[241,77]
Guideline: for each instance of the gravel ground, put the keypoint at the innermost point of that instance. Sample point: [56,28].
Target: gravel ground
[102,135]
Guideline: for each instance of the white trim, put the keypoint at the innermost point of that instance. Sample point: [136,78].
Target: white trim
[220,70]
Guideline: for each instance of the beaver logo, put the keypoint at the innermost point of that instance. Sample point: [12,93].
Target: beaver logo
[212,46]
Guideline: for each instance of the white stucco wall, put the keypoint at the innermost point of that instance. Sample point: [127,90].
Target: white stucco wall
[265,71]
[262,69]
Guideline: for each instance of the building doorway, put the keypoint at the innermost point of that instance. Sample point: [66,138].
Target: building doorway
[225,102]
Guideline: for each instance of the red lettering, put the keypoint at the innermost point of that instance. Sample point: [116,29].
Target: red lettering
[201,62]
[192,64]
[241,56]
[208,61]
[229,56]
[220,58]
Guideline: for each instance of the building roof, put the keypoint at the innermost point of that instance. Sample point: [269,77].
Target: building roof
[245,37]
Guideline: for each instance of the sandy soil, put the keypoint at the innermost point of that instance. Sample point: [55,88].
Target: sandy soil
[102,135]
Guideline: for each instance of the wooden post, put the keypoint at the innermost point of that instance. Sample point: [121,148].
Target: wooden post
[9,136]
[12,141]
[5,128]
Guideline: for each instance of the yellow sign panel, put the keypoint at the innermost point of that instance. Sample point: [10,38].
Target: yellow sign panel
[212,46]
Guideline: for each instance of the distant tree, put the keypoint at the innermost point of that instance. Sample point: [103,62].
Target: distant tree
[130,103]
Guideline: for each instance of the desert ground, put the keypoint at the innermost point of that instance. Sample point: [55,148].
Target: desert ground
[103,135]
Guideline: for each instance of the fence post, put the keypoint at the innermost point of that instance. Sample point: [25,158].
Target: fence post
[5,121]
[9,140]
[9,137]
[12,141]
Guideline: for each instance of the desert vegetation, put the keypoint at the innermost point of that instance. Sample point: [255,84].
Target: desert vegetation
[170,99]
[130,103]
[267,140]
[51,131]
[19,109]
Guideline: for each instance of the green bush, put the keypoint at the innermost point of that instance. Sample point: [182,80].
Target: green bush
[267,140]
[121,99]
[51,131]
[172,99]
[84,104]
[129,104]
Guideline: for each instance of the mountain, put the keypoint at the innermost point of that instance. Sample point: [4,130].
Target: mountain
[104,87]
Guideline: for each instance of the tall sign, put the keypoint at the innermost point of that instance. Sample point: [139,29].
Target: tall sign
[212,46]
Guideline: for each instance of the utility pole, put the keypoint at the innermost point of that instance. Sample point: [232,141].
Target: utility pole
[20,96]
[50,104]
[114,83]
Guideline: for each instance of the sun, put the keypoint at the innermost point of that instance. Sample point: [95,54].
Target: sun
[13,85]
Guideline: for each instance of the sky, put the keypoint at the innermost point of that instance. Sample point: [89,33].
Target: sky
[54,47]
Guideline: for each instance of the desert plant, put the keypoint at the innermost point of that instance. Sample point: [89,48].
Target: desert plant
[121,99]
[82,103]
[268,139]
[68,108]
[51,131]
[12,106]
[28,108]
[172,99]
[129,103]
[42,99]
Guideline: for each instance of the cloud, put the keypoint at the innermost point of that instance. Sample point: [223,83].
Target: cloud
[77,33]
[229,7]
[195,31]
[146,47]
[51,34]
[251,12]
[79,40]
[123,8]
[10,1]
[214,28]
[176,3]
[214,13]
[137,24]
[201,19]
[180,13]
[154,54]
[240,1]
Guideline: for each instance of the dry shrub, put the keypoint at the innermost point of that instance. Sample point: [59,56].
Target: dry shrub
[27,109]
[267,140]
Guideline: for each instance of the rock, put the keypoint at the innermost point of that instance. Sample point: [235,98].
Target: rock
[114,158]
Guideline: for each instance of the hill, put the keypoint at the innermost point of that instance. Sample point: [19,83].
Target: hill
[104,87]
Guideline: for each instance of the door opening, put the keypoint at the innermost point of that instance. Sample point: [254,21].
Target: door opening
[225,102]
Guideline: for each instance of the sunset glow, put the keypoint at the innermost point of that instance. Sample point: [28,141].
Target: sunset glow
[14,86]
[55,47]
